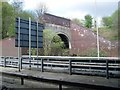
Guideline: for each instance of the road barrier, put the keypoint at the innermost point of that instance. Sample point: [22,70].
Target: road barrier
[58,82]
[103,66]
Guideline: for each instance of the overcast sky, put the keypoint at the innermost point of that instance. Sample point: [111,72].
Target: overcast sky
[75,8]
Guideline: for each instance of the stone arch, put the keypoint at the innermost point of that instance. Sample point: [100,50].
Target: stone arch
[63,32]
[65,39]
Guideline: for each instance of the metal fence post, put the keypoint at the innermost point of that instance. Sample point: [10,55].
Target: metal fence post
[42,65]
[70,68]
[60,86]
[37,62]
[4,61]
[21,63]
[47,61]
[107,70]
[29,63]
[22,81]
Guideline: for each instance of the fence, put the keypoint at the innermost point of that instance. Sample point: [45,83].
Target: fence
[104,66]
[58,82]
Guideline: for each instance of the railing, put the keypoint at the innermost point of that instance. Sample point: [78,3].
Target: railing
[104,66]
[9,61]
[59,82]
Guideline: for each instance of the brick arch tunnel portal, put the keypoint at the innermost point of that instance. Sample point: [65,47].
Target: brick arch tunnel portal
[65,39]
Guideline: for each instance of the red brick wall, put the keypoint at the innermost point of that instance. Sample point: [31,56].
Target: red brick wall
[8,47]
[84,39]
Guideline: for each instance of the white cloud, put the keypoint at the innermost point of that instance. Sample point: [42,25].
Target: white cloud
[72,8]
[73,14]
[30,4]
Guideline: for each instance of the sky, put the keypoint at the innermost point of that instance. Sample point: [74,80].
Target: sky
[75,8]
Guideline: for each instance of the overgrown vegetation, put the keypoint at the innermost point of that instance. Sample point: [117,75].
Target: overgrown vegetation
[9,14]
[88,21]
[110,27]
[52,44]
[93,53]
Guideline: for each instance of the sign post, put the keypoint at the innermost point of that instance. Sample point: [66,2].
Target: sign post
[37,45]
[19,43]
[29,34]
[29,43]
[98,46]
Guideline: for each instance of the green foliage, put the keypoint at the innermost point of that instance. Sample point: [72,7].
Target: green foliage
[115,19]
[110,27]
[111,21]
[107,21]
[93,53]
[94,30]
[57,46]
[52,43]
[110,34]
[33,51]
[26,15]
[0,20]
[7,19]
[9,13]
[88,21]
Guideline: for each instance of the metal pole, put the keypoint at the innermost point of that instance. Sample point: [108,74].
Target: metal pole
[5,61]
[21,63]
[107,70]
[37,45]
[29,43]
[70,68]
[42,65]
[22,81]
[98,49]
[19,42]
[60,86]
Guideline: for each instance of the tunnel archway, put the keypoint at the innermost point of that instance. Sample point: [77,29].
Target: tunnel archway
[65,39]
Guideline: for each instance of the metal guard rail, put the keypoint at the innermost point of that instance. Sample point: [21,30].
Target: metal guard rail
[59,82]
[71,60]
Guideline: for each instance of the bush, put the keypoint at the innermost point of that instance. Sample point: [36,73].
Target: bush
[93,53]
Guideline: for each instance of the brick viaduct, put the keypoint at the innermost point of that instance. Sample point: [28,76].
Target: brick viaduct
[77,39]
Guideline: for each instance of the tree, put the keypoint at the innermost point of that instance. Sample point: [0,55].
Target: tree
[47,38]
[26,15]
[7,19]
[41,9]
[115,17]
[111,21]
[9,13]
[88,21]
[52,43]
[0,20]
[18,5]
[57,46]
[110,26]
[107,21]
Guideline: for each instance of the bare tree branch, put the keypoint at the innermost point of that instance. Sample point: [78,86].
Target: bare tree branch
[41,9]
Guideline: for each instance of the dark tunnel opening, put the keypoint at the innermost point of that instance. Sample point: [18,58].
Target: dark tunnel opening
[65,40]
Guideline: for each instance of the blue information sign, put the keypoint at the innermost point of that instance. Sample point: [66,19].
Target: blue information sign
[36,35]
